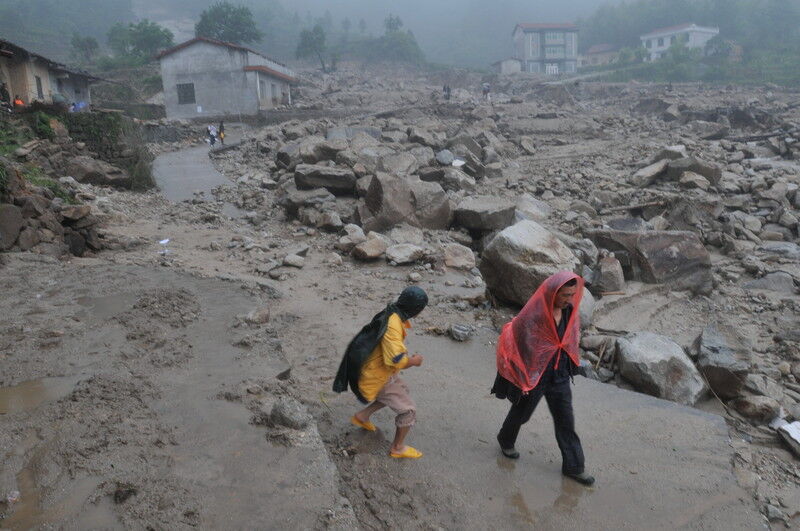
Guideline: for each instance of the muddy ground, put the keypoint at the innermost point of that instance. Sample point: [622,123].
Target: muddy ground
[138,387]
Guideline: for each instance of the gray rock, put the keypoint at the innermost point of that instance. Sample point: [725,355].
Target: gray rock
[404,253]
[611,277]
[460,333]
[10,225]
[338,181]
[649,174]
[658,366]
[399,164]
[405,233]
[719,364]
[458,256]
[760,409]
[528,207]
[349,133]
[296,199]
[764,385]
[675,258]
[785,249]
[777,281]
[456,180]
[353,236]
[520,258]
[586,309]
[391,200]
[484,213]
[290,413]
[709,170]
[294,260]
[92,171]
[445,157]
[371,249]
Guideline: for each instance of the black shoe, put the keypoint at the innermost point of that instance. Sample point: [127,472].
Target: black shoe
[582,478]
[511,453]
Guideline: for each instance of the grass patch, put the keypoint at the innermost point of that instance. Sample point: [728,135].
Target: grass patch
[11,137]
[35,176]
[3,180]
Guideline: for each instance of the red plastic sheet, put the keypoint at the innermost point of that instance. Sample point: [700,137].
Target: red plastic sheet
[530,340]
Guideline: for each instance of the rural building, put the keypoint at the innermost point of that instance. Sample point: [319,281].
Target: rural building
[547,48]
[657,42]
[508,66]
[34,77]
[208,78]
[599,55]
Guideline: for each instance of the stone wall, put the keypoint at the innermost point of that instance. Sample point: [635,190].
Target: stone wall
[115,139]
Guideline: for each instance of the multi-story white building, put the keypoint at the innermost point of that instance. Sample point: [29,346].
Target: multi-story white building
[657,42]
[547,48]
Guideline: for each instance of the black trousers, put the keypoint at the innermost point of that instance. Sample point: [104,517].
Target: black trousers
[559,400]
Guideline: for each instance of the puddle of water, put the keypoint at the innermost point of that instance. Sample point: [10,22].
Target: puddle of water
[108,306]
[571,494]
[30,394]
[29,512]
[524,512]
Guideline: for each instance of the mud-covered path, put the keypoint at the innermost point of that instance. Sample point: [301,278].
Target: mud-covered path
[659,465]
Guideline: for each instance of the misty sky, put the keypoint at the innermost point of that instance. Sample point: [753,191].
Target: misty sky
[431,21]
[440,26]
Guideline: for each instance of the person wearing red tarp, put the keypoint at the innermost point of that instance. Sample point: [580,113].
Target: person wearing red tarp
[537,355]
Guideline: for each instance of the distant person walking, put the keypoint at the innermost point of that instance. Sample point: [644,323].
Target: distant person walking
[19,104]
[537,355]
[222,132]
[487,92]
[212,135]
[371,367]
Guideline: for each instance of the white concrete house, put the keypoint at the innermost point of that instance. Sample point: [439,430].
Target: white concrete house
[206,78]
[550,49]
[657,42]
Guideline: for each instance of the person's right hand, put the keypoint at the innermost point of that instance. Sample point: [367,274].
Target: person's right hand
[415,360]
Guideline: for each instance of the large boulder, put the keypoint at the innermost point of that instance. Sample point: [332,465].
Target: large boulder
[458,256]
[709,170]
[658,366]
[403,163]
[725,373]
[520,258]
[759,409]
[649,174]
[349,133]
[391,200]
[92,171]
[675,258]
[338,181]
[484,213]
[10,225]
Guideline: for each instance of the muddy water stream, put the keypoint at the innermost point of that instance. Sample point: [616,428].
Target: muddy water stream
[181,174]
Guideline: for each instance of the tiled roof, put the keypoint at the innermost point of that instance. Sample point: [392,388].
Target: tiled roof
[672,29]
[5,51]
[270,72]
[231,45]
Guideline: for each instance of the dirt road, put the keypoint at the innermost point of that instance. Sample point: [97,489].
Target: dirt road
[136,395]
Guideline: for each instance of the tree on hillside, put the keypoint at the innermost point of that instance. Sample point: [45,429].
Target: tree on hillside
[148,38]
[392,23]
[312,44]
[85,48]
[119,39]
[229,23]
[362,26]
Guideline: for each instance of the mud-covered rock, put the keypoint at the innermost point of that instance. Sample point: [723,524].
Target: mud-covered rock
[658,366]
[520,258]
[484,213]
[338,181]
[10,225]
[719,364]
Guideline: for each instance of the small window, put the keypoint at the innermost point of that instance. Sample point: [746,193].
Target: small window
[39,89]
[661,41]
[186,93]
[649,43]
[673,39]
[60,84]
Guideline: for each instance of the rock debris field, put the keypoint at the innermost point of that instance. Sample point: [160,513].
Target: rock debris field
[187,383]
